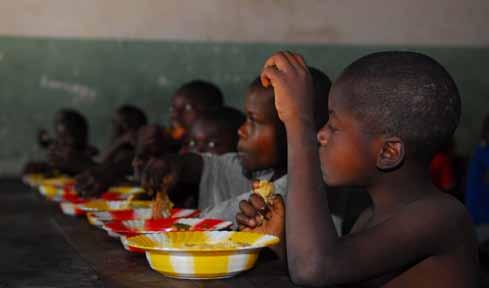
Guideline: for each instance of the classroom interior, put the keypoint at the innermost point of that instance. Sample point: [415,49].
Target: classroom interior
[93,65]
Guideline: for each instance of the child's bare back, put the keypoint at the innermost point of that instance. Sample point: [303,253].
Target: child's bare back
[437,224]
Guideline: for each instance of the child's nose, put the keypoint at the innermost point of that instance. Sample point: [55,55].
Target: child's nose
[242,132]
[322,136]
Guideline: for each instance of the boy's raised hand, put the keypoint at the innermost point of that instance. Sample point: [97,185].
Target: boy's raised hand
[92,182]
[155,171]
[292,84]
[257,216]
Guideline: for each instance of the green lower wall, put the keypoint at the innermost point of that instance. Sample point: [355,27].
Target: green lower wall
[39,76]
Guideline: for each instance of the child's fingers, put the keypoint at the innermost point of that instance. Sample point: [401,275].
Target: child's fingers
[300,59]
[277,204]
[260,206]
[280,61]
[257,201]
[270,76]
[245,221]
[243,228]
[293,60]
[247,209]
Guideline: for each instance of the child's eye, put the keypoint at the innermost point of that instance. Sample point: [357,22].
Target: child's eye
[191,143]
[188,107]
[332,128]
[211,144]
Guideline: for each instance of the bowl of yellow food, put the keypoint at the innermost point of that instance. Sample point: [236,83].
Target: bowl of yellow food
[202,254]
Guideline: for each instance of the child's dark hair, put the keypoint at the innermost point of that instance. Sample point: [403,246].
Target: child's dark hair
[76,126]
[226,118]
[404,94]
[132,117]
[203,93]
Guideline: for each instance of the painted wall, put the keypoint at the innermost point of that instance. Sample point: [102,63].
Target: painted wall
[96,55]
[376,22]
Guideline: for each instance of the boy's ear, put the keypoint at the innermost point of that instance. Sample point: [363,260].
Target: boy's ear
[391,154]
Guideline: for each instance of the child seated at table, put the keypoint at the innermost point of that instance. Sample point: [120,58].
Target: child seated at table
[215,132]
[125,126]
[189,101]
[116,162]
[227,179]
[69,151]
[389,112]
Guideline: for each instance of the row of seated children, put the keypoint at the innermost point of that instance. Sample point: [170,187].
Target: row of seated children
[225,180]
[376,137]
[199,124]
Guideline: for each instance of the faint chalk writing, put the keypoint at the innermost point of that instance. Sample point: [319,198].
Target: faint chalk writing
[82,93]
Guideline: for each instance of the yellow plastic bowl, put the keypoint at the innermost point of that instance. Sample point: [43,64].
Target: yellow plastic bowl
[126,190]
[54,188]
[108,205]
[33,180]
[58,181]
[202,255]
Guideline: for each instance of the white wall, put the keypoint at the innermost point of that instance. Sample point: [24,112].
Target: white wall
[412,22]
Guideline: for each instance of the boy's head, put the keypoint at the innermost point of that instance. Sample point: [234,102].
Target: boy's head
[192,99]
[151,142]
[385,109]
[128,118]
[216,132]
[262,138]
[71,139]
[71,129]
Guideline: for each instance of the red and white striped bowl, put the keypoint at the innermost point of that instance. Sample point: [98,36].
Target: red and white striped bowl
[136,227]
[99,218]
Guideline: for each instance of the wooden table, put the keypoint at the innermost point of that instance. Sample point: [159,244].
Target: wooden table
[41,247]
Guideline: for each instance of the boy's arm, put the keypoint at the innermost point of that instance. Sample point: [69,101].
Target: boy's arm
[184,168]
[316,255]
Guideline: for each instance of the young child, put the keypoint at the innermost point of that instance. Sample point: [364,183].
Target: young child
[125,126]
[152,142]
[477,193]
[116,161]
[215,132]
[189,101]
[69,152]
[389,112]
[227,179]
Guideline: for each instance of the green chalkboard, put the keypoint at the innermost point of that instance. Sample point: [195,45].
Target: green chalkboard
[39,76]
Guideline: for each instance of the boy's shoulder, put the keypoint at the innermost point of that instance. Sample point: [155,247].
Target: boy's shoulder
[439,217]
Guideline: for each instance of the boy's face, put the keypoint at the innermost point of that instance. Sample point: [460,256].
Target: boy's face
[118,127]
[347,152]
[183,112]
[206,137]
[258,136]
[63,149]
[148,146]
